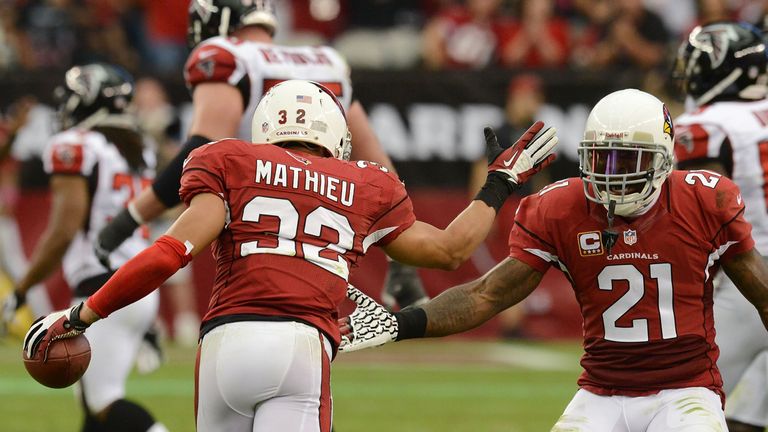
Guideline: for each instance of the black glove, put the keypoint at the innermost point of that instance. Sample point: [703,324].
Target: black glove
[402,287]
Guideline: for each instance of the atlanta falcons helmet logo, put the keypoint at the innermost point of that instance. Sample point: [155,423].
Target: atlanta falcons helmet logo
[714,41]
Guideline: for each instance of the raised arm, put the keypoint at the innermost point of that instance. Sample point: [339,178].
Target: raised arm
[749,273]
[458,309]
[424,245]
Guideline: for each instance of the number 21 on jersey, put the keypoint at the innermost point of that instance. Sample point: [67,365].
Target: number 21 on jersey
[661,273]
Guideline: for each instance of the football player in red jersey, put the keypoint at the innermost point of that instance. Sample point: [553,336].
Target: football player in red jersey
[234,63]
[640,244]
[289,218]
[725,131]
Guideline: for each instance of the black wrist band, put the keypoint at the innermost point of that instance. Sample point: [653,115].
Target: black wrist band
[74,318]
[122,227]
[496,190]
[168,182]
[411,323]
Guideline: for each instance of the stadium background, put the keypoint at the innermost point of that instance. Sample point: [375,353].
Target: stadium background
[428,116]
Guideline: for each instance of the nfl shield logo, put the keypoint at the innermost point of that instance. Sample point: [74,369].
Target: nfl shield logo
[630,237]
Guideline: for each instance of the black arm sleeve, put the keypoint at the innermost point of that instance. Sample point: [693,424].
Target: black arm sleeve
[167,184]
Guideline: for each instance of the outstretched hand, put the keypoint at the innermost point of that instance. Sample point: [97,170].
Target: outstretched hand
[527,156]
[368,326]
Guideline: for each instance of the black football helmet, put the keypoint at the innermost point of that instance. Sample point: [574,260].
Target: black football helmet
[209,18]
[723,60]
[94,94]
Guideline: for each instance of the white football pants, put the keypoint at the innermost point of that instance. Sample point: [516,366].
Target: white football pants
[264,376]
[693,409]
[114,344]
[743,361]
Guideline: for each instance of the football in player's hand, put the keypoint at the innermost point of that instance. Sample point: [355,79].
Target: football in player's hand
[66,363]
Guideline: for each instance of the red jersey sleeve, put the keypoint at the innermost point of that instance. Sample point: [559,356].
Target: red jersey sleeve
[529,239]
[396,217]
[210,62]
[733,234]
[204,172]
[70,153]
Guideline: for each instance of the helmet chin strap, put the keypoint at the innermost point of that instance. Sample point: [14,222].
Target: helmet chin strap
[609,234]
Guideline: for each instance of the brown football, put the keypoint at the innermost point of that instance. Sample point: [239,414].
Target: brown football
[67,361]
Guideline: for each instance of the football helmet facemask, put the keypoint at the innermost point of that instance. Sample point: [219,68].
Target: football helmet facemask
[302,111]
[627,151]
[95,94]
[209,18]
[722,60]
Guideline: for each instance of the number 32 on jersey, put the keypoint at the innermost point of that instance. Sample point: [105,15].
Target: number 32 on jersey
[328,255]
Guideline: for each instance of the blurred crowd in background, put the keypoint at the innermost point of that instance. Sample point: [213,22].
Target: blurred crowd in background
[150,35]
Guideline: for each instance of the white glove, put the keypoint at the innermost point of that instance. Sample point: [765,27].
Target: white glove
[11,303]
[370,325]
[58,325]
[149,357]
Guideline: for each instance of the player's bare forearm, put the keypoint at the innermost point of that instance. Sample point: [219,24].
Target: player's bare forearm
[424,245]
[69,209]
[749,273]
[148,205]
[467,306]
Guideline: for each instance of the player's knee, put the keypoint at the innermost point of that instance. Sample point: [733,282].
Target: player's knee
[737,426]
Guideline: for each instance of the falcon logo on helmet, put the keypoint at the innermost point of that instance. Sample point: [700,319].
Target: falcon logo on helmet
[209,18]
[714,41]
[722,60]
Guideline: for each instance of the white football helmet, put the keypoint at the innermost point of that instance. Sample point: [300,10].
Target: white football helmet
[627,151]
[302,111]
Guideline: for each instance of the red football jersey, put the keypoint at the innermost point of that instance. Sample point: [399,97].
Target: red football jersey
[296,225]
[646,305]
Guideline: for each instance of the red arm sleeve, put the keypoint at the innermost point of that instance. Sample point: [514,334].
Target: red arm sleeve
[140,276]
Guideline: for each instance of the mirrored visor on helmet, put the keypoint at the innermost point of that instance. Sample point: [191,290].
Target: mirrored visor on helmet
[617,169]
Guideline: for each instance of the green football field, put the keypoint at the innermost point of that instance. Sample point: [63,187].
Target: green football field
[447,385]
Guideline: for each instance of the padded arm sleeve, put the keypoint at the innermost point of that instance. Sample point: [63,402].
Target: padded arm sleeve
[140,276]
[167,184]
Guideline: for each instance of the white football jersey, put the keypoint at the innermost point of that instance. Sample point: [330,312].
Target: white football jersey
[735,134]
[254,67]
[111,186]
